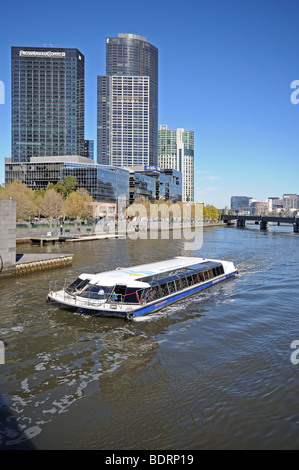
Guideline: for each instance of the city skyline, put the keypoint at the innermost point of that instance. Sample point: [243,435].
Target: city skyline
[225,72]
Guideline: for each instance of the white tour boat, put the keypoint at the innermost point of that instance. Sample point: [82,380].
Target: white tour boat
[144,289]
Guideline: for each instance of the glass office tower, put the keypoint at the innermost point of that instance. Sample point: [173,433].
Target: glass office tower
[176,151]
[127,130]
[47,102]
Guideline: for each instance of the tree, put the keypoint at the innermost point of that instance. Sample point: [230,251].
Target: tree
[77,205]
[210,212]
[50,186]
[60,188]
[24,197]
[70,183]
[39,195]
[53,205]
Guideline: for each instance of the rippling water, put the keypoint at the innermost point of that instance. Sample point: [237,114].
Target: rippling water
[212,372]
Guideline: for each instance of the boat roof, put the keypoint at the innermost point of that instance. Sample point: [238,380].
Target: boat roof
[132,276]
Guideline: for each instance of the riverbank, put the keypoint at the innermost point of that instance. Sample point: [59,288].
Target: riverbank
[94,232]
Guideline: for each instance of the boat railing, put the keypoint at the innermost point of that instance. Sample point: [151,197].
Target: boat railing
[59,291]
[54,288]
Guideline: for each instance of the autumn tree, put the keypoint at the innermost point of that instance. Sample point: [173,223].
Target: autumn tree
[39,195]
[24,197]
[53,204]
[77,205]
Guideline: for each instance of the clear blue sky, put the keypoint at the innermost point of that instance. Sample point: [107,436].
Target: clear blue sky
[225,71]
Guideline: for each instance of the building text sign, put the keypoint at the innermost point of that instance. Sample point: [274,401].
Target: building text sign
[51,54]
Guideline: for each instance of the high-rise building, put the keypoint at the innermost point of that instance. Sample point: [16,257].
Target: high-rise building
[176,151]
[47,102]
[88,149]
[127,128]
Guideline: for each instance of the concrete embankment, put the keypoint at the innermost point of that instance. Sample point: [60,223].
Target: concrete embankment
[30,262]
[44,236]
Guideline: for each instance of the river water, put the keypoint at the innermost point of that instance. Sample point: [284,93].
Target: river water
[212,372]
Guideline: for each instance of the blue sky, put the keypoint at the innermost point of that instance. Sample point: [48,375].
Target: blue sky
[225,72]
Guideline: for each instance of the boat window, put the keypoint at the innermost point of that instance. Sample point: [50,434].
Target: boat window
[161,276]
[164,289]
[118,293]
[178,284]
[219,270]
[184,282]
[147,279]
[171,287]
[200,268]
[142,295]
[96,292]
[77,286]
[206,276]
[153,292]
[190,281]
[132,295]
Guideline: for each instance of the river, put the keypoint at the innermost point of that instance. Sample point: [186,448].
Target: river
[214,371]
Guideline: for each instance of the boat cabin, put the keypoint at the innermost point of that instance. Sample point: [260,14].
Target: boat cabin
[119,287]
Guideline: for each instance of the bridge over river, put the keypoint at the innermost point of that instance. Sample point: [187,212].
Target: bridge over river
[261,220]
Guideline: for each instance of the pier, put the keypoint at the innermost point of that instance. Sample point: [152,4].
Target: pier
[261,220]
[45,240]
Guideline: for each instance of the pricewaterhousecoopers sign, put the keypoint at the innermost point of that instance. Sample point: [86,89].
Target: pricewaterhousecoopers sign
[51,54]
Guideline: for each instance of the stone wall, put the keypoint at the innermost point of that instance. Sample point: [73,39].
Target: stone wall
[7,236]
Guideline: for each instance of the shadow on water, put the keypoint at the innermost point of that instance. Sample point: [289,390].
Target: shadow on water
[12,437]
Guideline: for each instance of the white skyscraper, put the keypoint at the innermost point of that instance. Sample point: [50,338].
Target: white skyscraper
[176,151]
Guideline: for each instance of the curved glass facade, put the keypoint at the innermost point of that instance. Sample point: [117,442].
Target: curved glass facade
[104,183]
[128,103]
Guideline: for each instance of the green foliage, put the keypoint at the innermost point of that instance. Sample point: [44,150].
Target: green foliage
[70,184]
[210,212]
[60,188]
